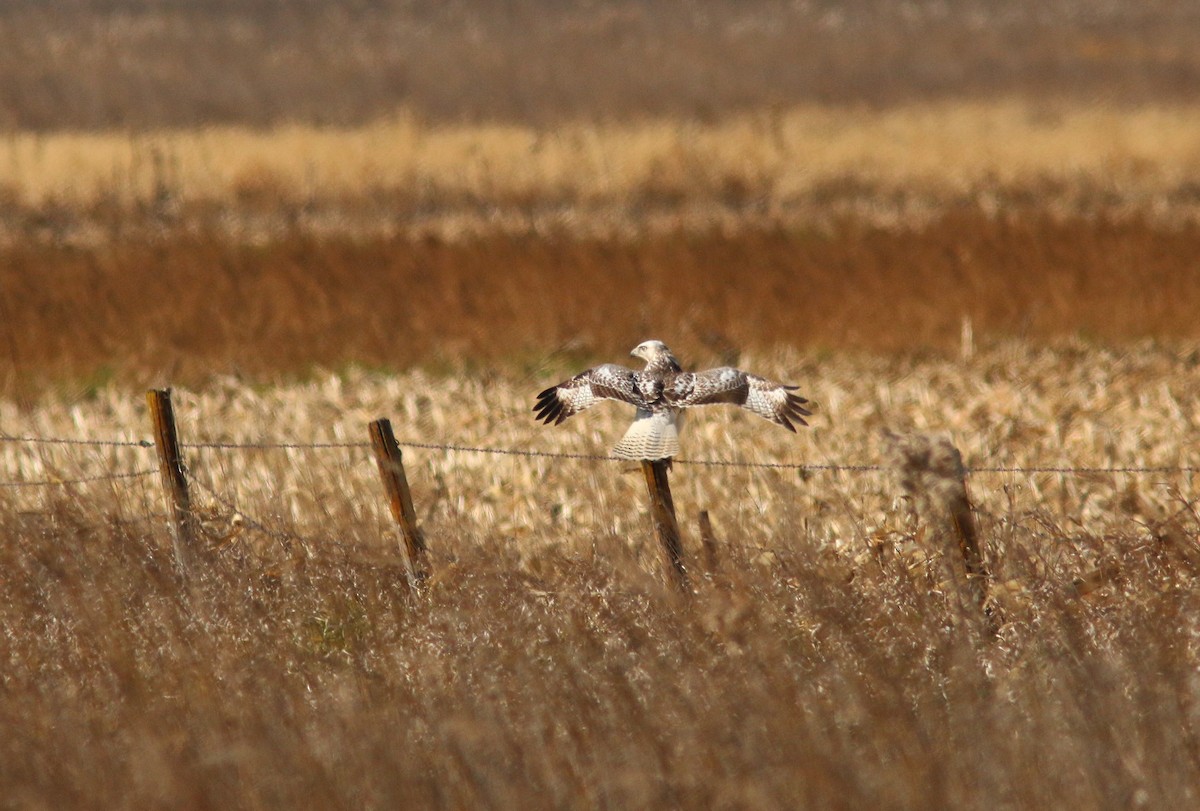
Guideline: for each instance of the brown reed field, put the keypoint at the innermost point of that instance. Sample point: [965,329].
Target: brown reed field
[977,221]
[183,308]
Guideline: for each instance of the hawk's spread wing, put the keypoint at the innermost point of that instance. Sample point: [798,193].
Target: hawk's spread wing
[764,397]
[607,382]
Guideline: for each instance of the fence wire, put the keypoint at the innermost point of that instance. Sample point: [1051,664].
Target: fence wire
[238,517]
[235,514]
[803,467]
[103,477]
[1135,469]
[103,443]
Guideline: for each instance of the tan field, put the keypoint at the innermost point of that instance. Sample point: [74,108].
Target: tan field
[825,657]
[1009,405]
[900,166]
[781,153]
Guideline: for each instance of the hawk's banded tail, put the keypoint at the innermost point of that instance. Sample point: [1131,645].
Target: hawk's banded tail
[653,436]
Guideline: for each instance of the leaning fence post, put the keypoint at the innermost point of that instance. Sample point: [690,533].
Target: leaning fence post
[395,483]
[666,526]
[708,540]
[932,473]
[174,481]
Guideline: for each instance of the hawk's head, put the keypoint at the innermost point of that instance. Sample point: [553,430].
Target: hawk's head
[655,353]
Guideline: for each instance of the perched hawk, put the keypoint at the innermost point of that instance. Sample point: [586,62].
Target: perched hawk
[660,391]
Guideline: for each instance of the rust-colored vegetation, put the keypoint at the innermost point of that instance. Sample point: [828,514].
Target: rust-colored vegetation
[184,308]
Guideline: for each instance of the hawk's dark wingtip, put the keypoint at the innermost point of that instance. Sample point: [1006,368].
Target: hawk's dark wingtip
[796,409]
[547,406]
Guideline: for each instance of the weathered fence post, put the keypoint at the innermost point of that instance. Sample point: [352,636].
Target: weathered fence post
[666,527]
[174,481]
[932,473]
[708,540]
[395,483]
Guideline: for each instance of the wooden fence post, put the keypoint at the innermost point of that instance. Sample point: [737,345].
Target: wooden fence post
[933,474]
[666,526]
[395,483]
[174,481]
[708,540]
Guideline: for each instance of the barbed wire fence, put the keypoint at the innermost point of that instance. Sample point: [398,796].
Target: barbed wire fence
[590,457]
[935,458]
[63,482]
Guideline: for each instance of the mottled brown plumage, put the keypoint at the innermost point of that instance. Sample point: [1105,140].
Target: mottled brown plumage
[660,391]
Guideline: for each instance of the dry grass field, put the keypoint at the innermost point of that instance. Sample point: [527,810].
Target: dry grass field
[825,659]
[776,153]
[781,167]
[975,220]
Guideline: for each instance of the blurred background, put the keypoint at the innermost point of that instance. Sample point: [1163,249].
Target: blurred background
[137,64]
[260,187]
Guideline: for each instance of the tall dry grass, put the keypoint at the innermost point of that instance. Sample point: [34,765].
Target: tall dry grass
[581,686]
[824,662]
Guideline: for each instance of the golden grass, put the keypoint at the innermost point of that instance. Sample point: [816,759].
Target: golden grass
[825,662]
[1011,404]
[784,162]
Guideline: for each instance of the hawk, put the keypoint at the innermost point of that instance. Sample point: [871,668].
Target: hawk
[660,392]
